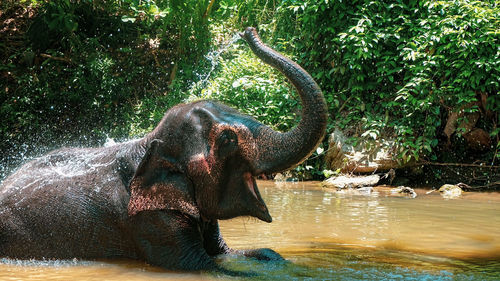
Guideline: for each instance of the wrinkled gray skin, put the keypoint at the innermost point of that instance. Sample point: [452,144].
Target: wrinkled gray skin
[158,198]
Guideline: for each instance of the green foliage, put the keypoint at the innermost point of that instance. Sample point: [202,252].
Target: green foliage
[185,22]
[77,72]
[91,59]
[392,69]
[397,69]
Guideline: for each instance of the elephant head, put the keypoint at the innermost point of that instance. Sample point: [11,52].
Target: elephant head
[203,157]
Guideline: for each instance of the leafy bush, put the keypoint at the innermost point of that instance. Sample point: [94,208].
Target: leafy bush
[77,72]
[393,69]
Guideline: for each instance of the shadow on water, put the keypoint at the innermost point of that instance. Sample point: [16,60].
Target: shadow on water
[361,264]
[330,236]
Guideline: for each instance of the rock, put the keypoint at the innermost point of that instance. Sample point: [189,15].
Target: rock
[283,177]
[335,156]
[404,190]
[373,155]
[341,182]
[450,191]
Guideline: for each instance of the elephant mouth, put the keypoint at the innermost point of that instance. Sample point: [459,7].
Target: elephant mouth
[260,211]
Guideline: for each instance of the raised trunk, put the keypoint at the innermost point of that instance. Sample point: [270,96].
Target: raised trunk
[281,151]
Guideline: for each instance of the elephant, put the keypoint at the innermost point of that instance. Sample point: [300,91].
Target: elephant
[158,199]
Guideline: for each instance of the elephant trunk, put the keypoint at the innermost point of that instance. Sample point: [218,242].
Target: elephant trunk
[280,151]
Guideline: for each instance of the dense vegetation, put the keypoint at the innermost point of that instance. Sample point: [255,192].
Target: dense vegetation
[425,75]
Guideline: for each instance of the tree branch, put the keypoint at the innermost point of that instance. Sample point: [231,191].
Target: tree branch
[56,58]
[207,11]
[457,164]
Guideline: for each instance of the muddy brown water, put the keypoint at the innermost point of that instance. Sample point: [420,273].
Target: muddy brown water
[326,235]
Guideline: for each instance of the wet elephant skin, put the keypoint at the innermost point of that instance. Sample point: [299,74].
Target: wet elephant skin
[159,198]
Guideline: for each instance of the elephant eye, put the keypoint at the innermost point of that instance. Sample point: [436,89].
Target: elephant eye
[227,142]
[228,137]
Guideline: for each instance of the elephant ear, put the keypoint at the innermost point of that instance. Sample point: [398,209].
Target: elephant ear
[159,185]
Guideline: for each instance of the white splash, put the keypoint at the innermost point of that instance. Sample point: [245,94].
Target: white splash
[214,58]
[109,142]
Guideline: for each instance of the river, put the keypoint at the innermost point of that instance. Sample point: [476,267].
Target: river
[325,235]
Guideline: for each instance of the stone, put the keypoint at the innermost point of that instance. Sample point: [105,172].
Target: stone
[450,191]
[372,156]
[405,191]
[285,177]
[342,182]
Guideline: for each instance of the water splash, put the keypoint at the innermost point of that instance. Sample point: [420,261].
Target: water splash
[214,58]
[109,142]
[46,263]
[11,160]
[35,146]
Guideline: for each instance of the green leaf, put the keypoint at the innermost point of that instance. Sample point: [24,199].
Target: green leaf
[128,19]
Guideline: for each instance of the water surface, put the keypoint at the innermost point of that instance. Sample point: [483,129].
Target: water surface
[333,236]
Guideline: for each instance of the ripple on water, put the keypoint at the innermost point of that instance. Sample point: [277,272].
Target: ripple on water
[326,236]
